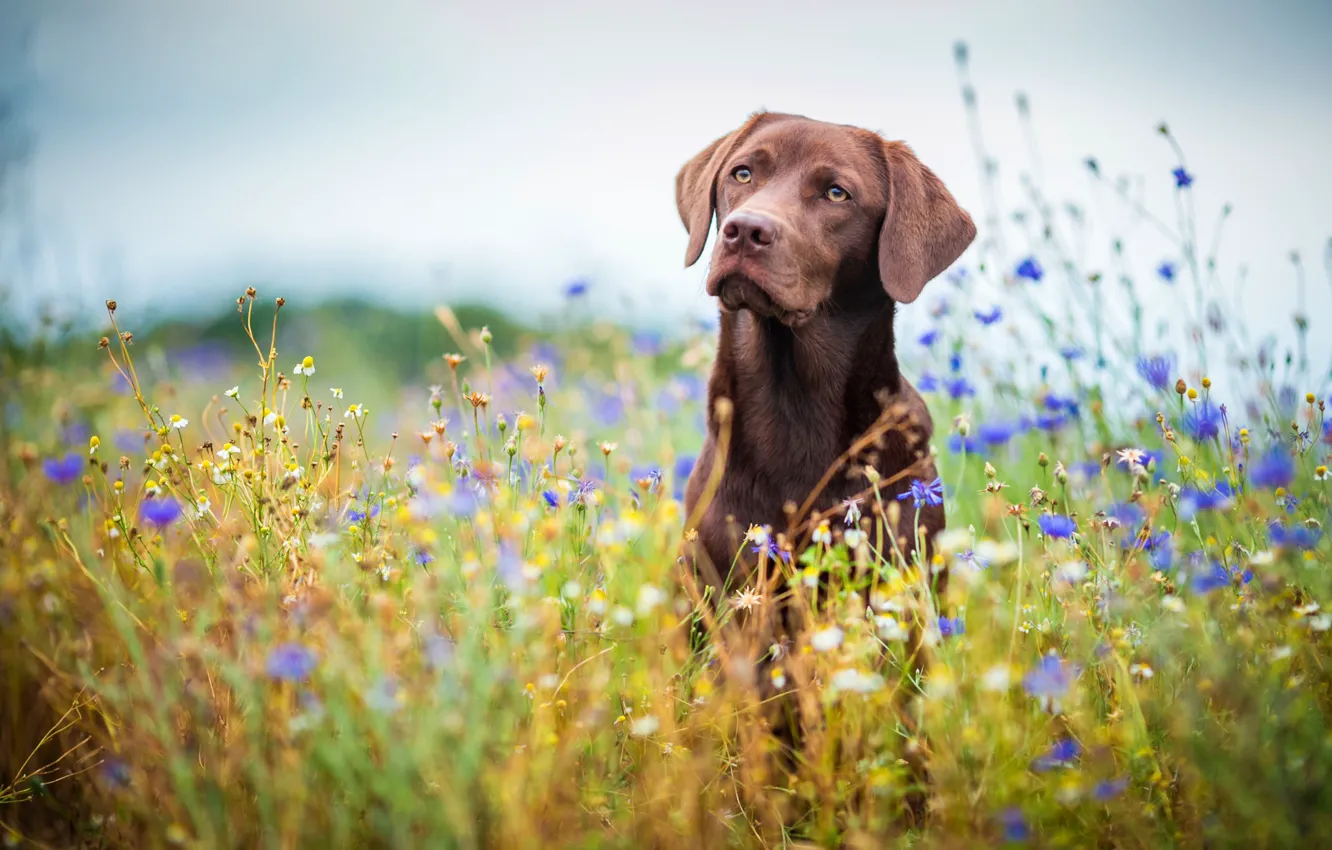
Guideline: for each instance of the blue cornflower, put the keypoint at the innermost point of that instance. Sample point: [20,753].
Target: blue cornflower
[1014,825]
[583,494]
[929,338]
[160,512]
[575,288]
[957,444]
[648,478]
[608,408]
[955,362]
[1194,500]
[463,502]
[1272,470]
[1167,271]
[927,383]
[647,343]
[361,516]
[1031,270]
[1051,422]
[951,626]
[1300,537]
[996,433]
[1155,370]
[1050,679]
[1212,577]
[1061,754]
[1183,179]
[1202,421]
[290,662]
[924,493]
[115,772]
[1057,525]
[1108,789]
[438,650]
[423,557]
[1070,352]
[63,470]
[959,388]
[552,498]
[774,551]
[970,557]
[684,466]
[989,318]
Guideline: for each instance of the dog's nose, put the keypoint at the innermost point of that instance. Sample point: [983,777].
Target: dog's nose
[747,230]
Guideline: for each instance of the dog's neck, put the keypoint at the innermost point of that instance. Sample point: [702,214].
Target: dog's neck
[803,393]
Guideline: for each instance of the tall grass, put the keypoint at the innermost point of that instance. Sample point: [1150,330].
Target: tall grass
[281,616]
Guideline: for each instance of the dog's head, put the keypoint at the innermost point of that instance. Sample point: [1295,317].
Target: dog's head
[805,208]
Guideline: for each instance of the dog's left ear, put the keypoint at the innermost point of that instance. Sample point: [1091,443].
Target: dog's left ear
[924,231]
[696,186]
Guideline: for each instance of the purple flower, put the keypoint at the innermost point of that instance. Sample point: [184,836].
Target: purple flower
[1155,370]
[927,383]
[290,662]
[63,470]
[1183,179]
[1050,679]
[1272,470]
[646,478]
[575,288]
[959,388]
[684,466]
[929,338]
[1014,825]
[1061,754]
[647,343]
[1300,537]
[608,408]
[957,444]
[1212,577]
[1057,525]
[161,511]
[1108,789]
[1167,271]
[951,626]
[115,772]
[584,492]
[996,433]
[1193,501]
[361,516]
[774,551]
[924,493]
[1070,352]
[552,498]
[438,650]
[423,557]
[1202,421]
[1031,270]
[989,318]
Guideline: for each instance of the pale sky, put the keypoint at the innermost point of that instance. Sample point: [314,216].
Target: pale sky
[446,151]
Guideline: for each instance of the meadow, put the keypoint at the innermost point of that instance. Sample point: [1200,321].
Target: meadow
[295,591]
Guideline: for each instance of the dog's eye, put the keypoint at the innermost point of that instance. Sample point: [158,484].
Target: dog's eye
[837,194]
[742,175]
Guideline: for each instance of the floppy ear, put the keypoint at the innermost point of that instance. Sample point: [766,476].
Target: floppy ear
[924,231]
[696,185]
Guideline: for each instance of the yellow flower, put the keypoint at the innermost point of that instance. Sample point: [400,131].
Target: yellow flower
[306,367]
[178,422]
[93,443]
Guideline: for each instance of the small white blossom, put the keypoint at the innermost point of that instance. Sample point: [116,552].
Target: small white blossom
[306,367]
[234,392]
[826,640]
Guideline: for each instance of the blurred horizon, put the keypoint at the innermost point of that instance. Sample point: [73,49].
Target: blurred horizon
[418,153]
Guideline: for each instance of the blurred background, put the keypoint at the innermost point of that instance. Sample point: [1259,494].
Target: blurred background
[410,153]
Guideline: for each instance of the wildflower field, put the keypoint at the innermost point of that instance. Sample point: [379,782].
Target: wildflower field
[299,601]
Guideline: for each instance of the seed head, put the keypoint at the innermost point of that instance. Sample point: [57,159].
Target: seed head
[110,305]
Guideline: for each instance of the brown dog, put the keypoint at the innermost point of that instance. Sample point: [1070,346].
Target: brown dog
[823,230]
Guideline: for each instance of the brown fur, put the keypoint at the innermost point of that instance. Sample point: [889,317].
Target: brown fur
[806,349]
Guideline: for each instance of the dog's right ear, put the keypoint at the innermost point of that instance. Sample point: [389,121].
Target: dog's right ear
[696,187]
